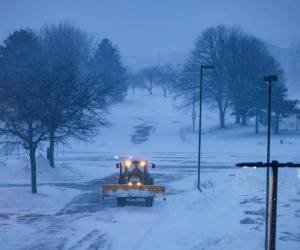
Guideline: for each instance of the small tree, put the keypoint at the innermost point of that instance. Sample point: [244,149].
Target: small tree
[281,106]
[22,93]
[166,78]
[134,81]
[187,84]
[149,77]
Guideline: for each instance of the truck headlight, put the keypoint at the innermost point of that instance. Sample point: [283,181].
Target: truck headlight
[143,163]
[128,163]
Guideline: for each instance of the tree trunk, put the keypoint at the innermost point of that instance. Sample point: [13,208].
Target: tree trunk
[277,121]
[165,92]
[33,169]
[50,154]
[222,118]
[244,120]
[256,124]
[150,88]
[237,119]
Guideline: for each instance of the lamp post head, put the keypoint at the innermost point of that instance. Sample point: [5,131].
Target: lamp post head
[270,78]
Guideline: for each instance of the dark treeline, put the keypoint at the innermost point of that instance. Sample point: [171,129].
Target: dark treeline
[237,84]
[55,85]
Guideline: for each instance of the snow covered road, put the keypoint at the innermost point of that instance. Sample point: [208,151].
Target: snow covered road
[229,214]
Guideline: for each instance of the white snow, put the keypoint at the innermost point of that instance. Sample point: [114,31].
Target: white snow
[228,214]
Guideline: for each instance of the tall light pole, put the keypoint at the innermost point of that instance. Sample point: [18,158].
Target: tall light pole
[194,94]
[268,232]
[200,118]
[194,105]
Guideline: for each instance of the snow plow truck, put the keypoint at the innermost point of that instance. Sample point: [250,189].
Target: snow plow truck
[134,182]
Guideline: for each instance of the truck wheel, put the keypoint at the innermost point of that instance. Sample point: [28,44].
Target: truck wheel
[150,181]
[121,201]
[149,201]
[121,180]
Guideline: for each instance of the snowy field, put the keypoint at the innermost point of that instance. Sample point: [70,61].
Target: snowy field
[69,213]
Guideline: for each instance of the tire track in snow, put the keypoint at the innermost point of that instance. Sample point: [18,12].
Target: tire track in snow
[94,240]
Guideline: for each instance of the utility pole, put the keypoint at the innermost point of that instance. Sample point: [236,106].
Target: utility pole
[200,118]
[268,79]
[274,165]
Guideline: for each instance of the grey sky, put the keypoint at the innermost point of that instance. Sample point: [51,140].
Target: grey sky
[141,28]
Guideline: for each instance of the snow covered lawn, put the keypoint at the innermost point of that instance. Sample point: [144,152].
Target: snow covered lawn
[69,213]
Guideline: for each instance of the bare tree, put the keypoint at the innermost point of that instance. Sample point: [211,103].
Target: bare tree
[135,81]
[71,107]
[294,63]
[149,76]
[241,61]
[166,77]
[281,106]
[187,84]
[248,65]
[212,48]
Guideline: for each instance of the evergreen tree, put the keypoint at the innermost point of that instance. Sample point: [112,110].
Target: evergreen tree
[108,71]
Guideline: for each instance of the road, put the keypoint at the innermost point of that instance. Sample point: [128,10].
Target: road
[89,222]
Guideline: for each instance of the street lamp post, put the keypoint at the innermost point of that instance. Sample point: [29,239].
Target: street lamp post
[194,96]
[193,71]
[268,79]
[200,118]
[194,107]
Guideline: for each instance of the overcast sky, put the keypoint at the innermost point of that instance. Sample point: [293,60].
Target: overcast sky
[141,28]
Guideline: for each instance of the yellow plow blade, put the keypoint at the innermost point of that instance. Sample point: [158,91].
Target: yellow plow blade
[132,190]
